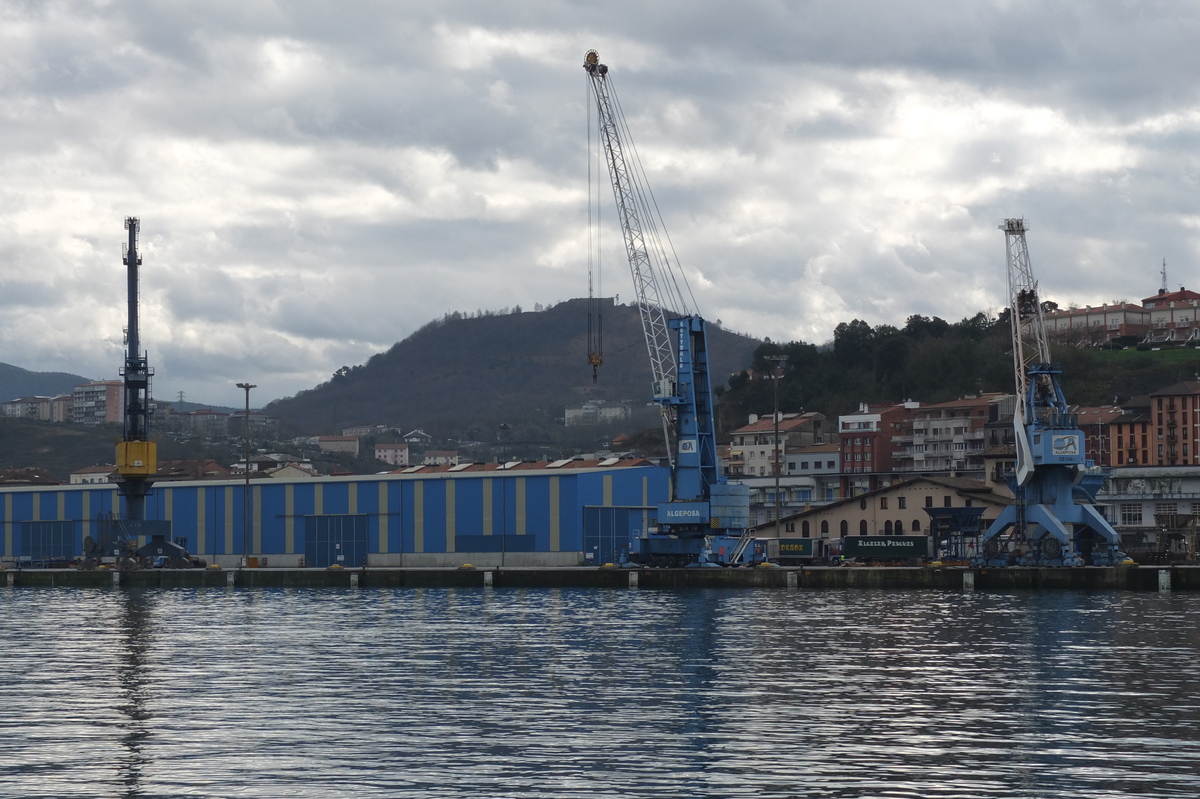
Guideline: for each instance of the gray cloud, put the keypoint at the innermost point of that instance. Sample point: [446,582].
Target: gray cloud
[317,180]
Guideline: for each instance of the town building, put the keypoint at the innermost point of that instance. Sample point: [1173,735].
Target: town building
[436,457]
[754,451]
[949,437]
[1155,510]
[1130,434]
[1172,317]
[595,412]
[342,444]
[394,454]
[865,440]
[1176,420]
[45,409]
[1098,432]
[902,508]
[100,402]
[1098,325]
[93,475]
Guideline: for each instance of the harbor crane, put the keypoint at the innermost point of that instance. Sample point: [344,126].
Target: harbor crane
[707,520]
[1053,520]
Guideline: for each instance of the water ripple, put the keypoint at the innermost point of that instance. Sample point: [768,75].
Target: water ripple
[560,693]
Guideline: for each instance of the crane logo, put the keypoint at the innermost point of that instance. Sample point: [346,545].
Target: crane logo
[1066,445]
[687,445]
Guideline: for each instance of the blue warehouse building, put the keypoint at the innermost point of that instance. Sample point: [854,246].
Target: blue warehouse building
[564,513]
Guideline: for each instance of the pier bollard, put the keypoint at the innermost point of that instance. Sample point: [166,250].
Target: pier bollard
[633,579]
[487,579]
[229,577]
[1164,581]
[968,581]
[793,580]
[354,580]
[12,579]
[116,579]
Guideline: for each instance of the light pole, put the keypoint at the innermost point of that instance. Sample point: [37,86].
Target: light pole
[776,375]
[246,470]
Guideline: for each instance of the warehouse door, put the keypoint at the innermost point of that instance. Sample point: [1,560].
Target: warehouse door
[44,542]
[607,532]
[340,540]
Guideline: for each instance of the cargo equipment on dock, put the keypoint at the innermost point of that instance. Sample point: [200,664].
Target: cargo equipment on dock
[707,521]
[1054,520]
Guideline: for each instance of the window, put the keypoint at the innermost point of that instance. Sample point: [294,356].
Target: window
[883,503]
[1131,514]
[887,527]
[845,528]
[899,527]
[804,528]
[968,503]
[901,502]
[946,501]
[803,464]
[1165,508]
[916,526]
[789,527]
[862,527]
[825,529]
[829,465]
[862,504]
[929,501]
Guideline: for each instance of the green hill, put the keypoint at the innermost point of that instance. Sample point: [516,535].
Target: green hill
[462,377]
[16,382]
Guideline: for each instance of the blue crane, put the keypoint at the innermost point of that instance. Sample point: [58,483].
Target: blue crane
[1053,520]
[707,520]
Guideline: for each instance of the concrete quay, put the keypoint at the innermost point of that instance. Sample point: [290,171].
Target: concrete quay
[1120,578]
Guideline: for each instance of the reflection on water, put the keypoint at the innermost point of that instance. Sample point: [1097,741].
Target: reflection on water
[558,693]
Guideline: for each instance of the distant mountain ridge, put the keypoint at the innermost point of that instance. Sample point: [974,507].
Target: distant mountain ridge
[465,376]
[16,382]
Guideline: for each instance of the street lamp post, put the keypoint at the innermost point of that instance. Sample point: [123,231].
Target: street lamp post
[246,470]
[777,374]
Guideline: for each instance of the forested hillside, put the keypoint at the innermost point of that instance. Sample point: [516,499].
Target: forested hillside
[931,360]
[463,376]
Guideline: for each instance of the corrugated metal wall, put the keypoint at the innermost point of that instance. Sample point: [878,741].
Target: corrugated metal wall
[402,515]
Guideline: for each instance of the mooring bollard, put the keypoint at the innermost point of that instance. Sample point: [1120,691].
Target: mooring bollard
[116,579]
[487,579]
[229,577]
[1164,581]
[12,579]
[633,579]
[354,580]
[968,581]
[793,580]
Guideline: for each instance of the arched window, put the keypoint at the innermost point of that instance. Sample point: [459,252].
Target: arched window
[862,527]
[887,527]
[804,528]
[789,527]
[825,529]
[845,527]
[916,525]
[899,527]
[862,504]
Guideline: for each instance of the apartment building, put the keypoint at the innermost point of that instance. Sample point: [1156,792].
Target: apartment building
[99,402]
[1175,414]
[949,436]
[865,442]
[1100,324]
[1173,317]
[754,450]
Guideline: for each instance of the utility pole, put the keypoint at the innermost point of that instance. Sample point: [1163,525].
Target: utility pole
[776,375]
[246,470]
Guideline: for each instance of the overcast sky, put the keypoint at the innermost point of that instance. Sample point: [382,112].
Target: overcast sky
[316,180]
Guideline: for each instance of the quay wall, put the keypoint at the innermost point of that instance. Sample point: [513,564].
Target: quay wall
[1121,578]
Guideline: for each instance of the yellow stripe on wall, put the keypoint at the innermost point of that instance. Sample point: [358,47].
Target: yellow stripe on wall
[62,505]
[318,499]
[450,530]
[520,506]
[86,512]
[607,490]
[37,507]
[487,506]
[8,526]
